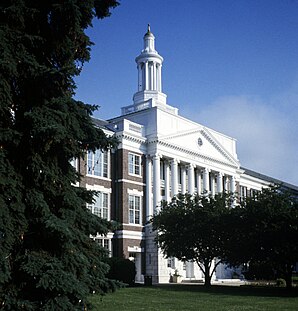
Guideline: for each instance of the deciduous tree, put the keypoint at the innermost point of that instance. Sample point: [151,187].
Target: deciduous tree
[192,228]
[265,231]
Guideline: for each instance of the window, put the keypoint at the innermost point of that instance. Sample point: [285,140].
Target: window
[97,163]
[134,164]
[134,203]
[171,262]
[101,206]
[105,243]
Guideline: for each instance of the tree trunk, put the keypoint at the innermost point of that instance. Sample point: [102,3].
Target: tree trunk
[207,276]
[288,277]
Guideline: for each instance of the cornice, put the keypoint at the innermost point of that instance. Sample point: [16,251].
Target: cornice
[193,153]
[129,137]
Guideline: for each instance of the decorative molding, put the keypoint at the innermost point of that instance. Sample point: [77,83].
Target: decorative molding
[129,137]
[131,182]
[233,165]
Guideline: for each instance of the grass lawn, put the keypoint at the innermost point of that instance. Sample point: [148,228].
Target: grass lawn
[196,297]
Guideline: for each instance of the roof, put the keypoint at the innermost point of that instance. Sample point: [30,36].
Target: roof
[270,179]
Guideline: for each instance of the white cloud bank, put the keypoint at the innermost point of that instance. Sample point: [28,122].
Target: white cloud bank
[266,133]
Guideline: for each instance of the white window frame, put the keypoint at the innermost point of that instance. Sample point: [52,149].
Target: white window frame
[98,163]
[134,209]
[101,206]
[134,168]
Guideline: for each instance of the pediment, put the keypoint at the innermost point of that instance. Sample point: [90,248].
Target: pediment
[203,142]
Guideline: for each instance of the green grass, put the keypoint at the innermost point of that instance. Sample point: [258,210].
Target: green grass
[196,297]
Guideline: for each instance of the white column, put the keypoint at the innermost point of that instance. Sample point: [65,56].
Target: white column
[198,176]
[159,77]
[206,181]
[191,179]
[212,190]
[233,190]
[156,182]
[140,77]
[149,209]
[233,184]
[167,181]
[151,76]
[174,181]
[146,76]
[183,180]
[154,75]
[226,182]
[219,182]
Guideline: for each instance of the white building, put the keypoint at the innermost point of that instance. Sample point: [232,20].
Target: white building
[160,154]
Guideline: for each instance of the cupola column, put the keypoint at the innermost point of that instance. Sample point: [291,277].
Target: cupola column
[140,77]
[146,74]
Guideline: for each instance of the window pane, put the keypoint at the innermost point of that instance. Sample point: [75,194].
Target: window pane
[97,210]
[89,161]
[106,244]
[137,203]
[98,163]
[137,217]
[130,164]
[131,217]
[105,164]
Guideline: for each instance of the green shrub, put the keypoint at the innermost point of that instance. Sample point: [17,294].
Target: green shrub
[121,269]
[280,282]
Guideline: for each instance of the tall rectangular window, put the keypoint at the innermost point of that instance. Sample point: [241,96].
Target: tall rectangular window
[97,163]
[134,204]
[134,164]
[100,207]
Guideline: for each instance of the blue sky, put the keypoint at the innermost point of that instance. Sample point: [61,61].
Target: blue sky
[229,65]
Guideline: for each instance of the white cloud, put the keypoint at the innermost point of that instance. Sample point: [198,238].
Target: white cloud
[266,133]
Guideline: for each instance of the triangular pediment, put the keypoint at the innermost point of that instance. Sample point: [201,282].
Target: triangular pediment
[203,142]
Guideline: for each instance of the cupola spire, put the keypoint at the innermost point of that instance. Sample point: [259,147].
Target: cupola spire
[149,64]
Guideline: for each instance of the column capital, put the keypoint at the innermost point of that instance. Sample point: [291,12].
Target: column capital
[156,155]
[174,160]
[191,165]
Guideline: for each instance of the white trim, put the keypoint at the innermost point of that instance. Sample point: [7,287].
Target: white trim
[135,249]
[132,182]
[98,188]
[129,234]
[135,192]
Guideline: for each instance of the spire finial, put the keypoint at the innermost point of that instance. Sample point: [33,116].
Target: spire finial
[148,29]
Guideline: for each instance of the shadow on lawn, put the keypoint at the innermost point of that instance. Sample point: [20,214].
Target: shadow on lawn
[232,290]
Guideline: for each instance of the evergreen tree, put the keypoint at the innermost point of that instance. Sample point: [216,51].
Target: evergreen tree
[48,261]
